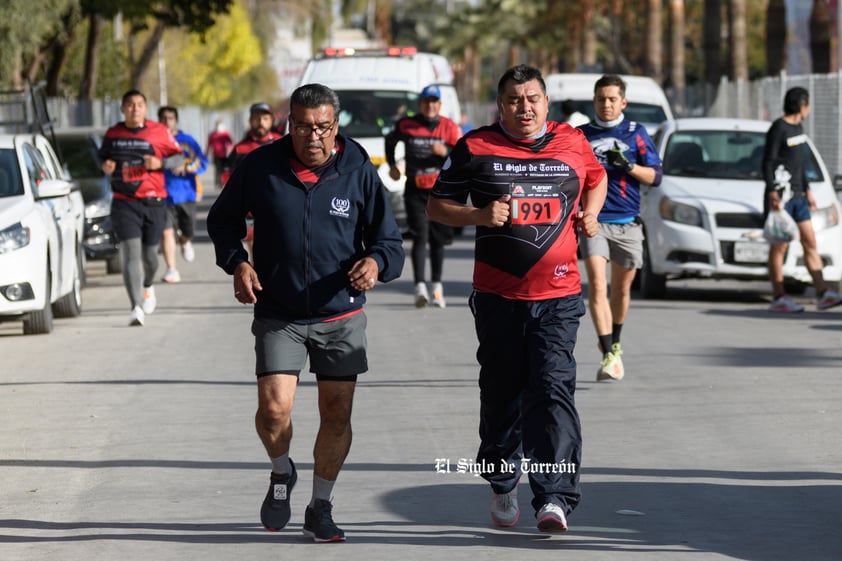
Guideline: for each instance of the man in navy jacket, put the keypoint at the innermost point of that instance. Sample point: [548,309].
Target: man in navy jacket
[324,235]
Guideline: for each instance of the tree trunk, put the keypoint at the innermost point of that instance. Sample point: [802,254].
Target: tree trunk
[588,35]
[89,74]
[653,64]
[739,50]
[775,37]
[713,41]
[820,32]
[147,53]
[383,21]
[59,52]
[677,76]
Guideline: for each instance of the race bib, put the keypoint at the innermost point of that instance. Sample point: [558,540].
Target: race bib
[426,180]
[535,204]
[133,173]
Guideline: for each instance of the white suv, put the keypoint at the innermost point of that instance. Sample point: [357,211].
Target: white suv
[705,220]
[42,262]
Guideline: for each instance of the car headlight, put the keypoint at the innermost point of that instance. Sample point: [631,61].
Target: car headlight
[824,218]
[98,208]
[680,212]
[14,237]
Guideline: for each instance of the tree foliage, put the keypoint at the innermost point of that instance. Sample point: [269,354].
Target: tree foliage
[211,71]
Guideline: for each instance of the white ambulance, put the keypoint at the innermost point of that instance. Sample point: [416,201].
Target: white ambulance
[376,87]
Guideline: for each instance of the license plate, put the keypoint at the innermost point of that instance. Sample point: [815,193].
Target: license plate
[751,252]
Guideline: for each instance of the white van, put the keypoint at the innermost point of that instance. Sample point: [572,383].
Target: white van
[375,88]
[647,103]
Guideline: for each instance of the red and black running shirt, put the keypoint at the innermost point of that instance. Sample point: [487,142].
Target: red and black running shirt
[248,144]
[127,147]
[533,257]
[418,135]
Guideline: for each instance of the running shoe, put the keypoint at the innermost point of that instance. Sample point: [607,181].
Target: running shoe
[422,297]
[171,276]
[188,252]
[136,317]
[438,296]
[829,299]
[149,300]
[784,303]
[319,525]
[504,509]
[611,367]
[551,519]
[275,510]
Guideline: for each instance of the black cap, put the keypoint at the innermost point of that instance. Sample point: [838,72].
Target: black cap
[260,108]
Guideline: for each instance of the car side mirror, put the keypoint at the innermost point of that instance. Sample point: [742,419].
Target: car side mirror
[837,182]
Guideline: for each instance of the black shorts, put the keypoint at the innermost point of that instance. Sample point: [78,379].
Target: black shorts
[182,217]
[139,219]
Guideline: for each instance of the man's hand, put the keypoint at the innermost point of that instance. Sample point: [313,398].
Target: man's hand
[439,149]
[152,163]
[108,167]
[245,283]
[394,173]
[774,200]
[496,213]
[363,275]
[617,159]
[587,224]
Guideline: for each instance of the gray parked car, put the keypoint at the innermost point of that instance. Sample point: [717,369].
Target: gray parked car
[79,148]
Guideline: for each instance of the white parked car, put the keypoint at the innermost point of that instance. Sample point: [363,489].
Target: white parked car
[42,262]
[706,218]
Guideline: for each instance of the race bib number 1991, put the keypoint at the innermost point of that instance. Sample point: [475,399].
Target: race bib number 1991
[535,204]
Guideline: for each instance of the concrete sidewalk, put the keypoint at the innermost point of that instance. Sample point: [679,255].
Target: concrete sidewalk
[139,443]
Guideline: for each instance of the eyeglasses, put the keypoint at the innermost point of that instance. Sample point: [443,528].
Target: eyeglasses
[320,130]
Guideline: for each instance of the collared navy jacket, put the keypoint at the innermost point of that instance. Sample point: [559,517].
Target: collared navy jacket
[306,240]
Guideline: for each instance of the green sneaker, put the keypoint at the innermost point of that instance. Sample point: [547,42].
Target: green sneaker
[611,367]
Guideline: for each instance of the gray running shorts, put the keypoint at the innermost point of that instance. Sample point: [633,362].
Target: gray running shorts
[620,243]
[337,349]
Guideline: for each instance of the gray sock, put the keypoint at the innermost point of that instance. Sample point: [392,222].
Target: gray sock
[322,489]
[280,465]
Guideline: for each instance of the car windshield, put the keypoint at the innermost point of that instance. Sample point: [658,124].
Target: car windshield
[10,182]
[80,154]
[641,112]
[728,154]
[373,113]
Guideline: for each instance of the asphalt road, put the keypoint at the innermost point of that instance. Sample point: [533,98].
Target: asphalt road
[127,443]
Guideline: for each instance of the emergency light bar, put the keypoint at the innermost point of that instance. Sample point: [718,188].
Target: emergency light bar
[335,52]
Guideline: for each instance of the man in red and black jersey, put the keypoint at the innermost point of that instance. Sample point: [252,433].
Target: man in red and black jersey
[260,133]
[428,138]
[261,121]
[135,153]
[526,178]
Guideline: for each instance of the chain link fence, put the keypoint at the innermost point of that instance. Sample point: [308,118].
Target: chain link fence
[763,99]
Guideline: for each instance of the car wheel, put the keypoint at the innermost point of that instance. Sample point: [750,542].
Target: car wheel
[114,264]
[70,305]
[652,285]
[40,322]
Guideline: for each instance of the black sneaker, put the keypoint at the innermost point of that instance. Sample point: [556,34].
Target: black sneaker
[318,523]
[275,512]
